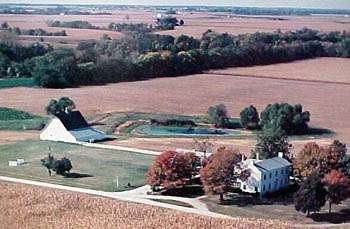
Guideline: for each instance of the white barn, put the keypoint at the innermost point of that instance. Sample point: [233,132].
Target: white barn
[70,127]
[265,175]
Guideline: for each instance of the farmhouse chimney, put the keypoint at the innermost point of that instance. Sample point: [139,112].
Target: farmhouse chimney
[243,158]
[66,110]
[257,156]
[280,154]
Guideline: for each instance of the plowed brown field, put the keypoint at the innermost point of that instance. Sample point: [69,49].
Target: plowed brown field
[328,102]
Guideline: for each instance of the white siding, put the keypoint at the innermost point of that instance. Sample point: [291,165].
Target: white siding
[55,131]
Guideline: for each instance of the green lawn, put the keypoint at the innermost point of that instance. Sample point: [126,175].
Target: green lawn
[17,82]
[11,119]
[102,165]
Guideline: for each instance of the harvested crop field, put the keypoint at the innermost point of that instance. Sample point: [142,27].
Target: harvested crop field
[24,206]
[326,70]
[196,24]
[8,137]
[327,102]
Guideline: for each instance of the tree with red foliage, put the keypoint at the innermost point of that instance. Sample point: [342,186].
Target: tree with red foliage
[218,175]
[171,170]
[337,186]
[314,158]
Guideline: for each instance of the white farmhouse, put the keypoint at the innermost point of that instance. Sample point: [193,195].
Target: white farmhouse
[70,126]
[265,175]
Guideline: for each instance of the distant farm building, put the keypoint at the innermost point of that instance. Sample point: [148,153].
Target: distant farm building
[265,175]
[70,127]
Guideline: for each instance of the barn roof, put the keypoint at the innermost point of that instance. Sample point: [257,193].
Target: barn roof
[272,163]
[72,120]
[87,134]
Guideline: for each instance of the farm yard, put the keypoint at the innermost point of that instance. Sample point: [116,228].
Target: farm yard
[174,121]
[92,168]
[35,207]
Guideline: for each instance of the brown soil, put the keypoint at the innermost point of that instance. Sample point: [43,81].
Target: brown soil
[8,137]
[327,70]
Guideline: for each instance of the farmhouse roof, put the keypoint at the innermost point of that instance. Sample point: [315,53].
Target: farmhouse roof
[272,163]
[72,120]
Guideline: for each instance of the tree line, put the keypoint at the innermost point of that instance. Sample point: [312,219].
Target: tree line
[139,56]
[30,32]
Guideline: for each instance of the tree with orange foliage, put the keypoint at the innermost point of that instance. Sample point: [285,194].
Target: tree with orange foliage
[337,186]
[171,170]
[218,175]
[314,158]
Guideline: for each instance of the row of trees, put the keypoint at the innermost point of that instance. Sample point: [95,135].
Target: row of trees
[139,56]
[72,24]
[277,11]
[291,119]
[30,32]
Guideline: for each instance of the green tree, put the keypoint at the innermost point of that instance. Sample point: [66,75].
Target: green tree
[57,69]
[311,195]
[62,166]
[63,104]
[218,115]
[271,140]
[250,118]
[291,119]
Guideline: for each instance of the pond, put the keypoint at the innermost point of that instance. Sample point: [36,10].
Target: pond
[183,131]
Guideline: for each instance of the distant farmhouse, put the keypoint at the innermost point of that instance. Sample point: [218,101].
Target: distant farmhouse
[70,126]
[265,175]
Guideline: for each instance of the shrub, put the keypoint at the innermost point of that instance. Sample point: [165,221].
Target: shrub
[172,122]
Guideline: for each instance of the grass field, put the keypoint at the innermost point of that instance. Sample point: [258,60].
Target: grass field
[249,207]
[95,168]
[17,82]
[34,207]
[11,119]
